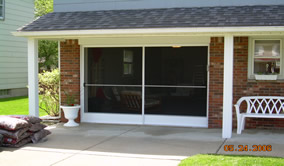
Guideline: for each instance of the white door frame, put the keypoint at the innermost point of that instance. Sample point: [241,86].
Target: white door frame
[141,119]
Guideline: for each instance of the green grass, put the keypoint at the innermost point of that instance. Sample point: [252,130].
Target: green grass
[16,106]
[228,160]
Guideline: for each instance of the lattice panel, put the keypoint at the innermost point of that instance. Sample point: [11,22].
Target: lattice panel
[266,105]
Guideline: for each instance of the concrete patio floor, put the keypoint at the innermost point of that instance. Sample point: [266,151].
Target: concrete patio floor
[99,144]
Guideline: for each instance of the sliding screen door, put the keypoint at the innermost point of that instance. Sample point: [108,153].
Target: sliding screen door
[113,80]
[176,81]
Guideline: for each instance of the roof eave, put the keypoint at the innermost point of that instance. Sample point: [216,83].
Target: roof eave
[195,31]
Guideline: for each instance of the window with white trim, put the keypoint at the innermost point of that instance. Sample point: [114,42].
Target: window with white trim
[2,9]
[266,58]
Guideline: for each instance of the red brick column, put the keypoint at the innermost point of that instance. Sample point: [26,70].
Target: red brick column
[216,72]
[70,72]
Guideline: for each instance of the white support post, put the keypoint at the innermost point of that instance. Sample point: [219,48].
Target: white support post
[33,76]
[59,68]
[143,85]
[228,86]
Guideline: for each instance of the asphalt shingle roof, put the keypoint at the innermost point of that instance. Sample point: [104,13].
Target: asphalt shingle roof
[233,16]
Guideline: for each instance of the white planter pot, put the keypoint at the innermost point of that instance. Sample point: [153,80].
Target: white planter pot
[71,113]
[266,77]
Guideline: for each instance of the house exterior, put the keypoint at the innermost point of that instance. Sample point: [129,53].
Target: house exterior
[176,63]
[13,50]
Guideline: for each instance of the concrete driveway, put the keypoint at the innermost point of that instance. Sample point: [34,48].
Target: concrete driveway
[97,144]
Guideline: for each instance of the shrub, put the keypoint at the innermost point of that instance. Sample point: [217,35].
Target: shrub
[49,90]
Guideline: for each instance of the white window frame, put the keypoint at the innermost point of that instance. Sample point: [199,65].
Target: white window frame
[3,10]
[251,75]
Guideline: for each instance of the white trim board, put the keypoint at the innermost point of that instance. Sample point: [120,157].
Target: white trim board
[82,80]
[197,31]
[151,40]
[137,119]
[112,118]
[173,120]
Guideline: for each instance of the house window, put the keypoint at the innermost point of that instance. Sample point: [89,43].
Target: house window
[1,9]
[127,62]
[266,59]
[267,56]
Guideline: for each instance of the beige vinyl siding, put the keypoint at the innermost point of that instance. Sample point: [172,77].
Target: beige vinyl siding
[13,81]
[13,50]
[12,75]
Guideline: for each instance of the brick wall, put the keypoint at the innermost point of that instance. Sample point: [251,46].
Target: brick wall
[216,70]
[242,86]
[70,72]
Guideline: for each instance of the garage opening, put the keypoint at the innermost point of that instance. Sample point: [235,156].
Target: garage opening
[169,81]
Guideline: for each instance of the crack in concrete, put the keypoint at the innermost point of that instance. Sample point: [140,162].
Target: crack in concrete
[111,138]
[103,141]
[221,146]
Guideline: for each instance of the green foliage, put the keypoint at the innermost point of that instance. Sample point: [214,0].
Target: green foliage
[70,100]
[47,50]
[16,106]
[48,55]
[226,160]
[49,89]
[42,7]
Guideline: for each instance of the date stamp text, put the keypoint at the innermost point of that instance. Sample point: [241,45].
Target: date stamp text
[247,148]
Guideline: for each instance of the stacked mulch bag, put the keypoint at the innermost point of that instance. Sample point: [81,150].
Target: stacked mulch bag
[18,130]
[1,139]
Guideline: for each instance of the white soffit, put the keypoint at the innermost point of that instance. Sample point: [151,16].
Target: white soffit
[211,31]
